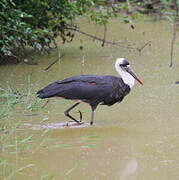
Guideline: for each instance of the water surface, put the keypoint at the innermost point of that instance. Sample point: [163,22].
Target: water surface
[134,140]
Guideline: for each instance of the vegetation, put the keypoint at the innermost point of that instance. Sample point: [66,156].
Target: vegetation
[9,137]
[36,24]
[15,140]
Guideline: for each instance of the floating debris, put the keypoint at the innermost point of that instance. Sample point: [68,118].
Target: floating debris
[69,124]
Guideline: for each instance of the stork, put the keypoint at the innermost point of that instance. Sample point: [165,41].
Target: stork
[93,89]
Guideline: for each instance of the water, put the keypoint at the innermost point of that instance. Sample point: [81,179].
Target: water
[134,140]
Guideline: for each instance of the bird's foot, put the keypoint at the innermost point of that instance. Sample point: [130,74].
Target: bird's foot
[74,123]
[80,123]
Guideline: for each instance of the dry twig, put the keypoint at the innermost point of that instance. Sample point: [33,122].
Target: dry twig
[47,68]
[109,42]
[175,2]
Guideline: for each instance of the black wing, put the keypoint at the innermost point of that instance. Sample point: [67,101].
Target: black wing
[71,86]
[88,88]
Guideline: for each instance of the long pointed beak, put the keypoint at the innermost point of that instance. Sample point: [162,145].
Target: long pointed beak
[128,69]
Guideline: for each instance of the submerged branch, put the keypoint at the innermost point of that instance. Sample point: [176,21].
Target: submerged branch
[54,62]
[45,104]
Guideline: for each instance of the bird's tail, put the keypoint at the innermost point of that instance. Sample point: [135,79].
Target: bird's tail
[41,94]
[49,91]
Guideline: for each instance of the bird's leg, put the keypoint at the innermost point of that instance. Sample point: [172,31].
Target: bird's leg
[93,108]
[80,115]
[68,115]
[92,117]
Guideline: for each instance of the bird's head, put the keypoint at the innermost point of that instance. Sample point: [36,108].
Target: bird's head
[123,68]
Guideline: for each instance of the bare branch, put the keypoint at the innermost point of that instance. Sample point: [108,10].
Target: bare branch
[102,40]
[104,37]
[45,103]
[172,44]
[54,62]
[147,43]
[174,31]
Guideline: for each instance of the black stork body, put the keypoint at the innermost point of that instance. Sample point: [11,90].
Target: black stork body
[93,89]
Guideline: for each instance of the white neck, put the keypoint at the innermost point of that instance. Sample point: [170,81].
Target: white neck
[126,77]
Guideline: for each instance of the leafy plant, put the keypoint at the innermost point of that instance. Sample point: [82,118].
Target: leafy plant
[36,24]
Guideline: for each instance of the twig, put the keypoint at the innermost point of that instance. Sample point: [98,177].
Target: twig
[82,64]
[147,43]
[45,103]
[99,39]
[172,44]
[128,7]
[174,31]
[31,114]
[104,37]
[47,68]
[109,42]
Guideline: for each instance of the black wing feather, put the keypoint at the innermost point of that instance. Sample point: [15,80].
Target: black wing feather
[88,88]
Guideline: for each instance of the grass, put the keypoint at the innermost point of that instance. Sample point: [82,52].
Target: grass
[11,140]
[15,141]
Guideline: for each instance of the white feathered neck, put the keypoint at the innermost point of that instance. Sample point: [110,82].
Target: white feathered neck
[126,77]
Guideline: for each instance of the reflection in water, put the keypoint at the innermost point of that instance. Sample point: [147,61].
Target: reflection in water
[129,169]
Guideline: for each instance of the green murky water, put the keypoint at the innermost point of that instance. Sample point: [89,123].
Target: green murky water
[137,139]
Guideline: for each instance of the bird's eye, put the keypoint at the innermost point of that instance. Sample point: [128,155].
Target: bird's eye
[123,65]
